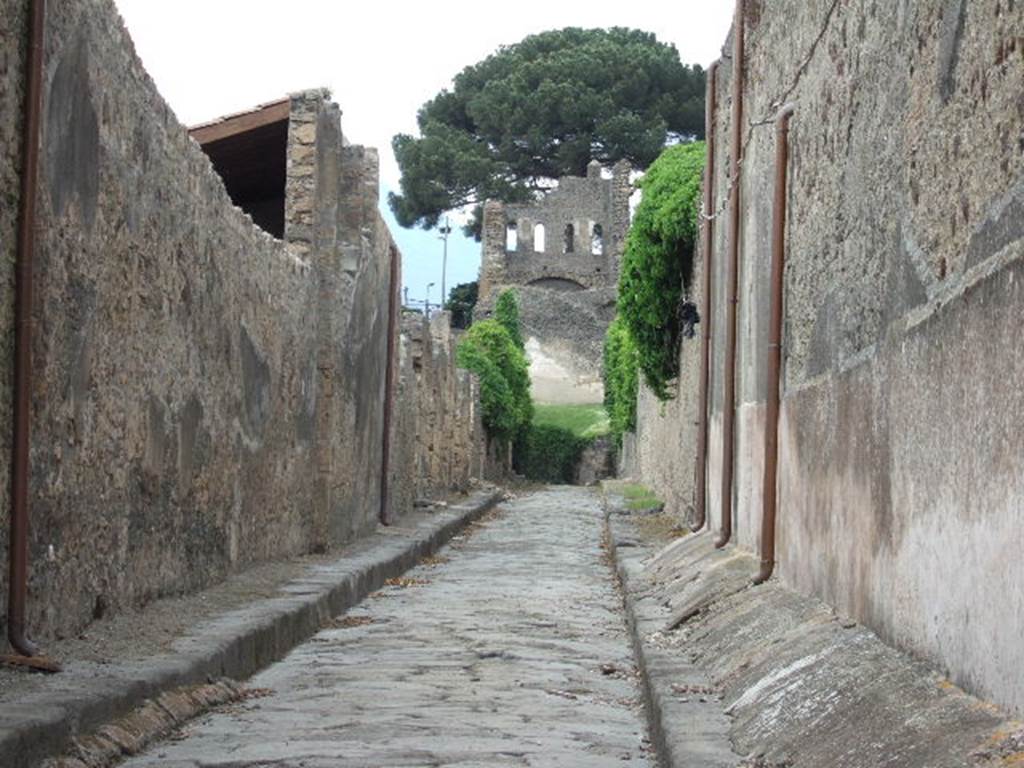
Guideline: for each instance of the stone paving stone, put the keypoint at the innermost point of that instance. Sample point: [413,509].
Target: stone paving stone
[508,650]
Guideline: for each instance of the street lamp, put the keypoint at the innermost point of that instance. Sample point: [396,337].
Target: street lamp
[445,231]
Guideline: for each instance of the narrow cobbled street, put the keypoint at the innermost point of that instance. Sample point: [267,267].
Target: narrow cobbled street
[507,649]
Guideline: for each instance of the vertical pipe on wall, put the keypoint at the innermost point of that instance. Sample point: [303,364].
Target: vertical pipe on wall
[729,383]
[771,425]
[394,283]
[18,556]
[700,472]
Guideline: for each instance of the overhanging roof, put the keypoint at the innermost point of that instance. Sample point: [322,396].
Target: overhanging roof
[249,150]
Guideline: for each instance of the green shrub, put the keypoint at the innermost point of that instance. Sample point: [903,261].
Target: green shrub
[489,351]
[549,454]
[506,312]
[620,378]
[657,266]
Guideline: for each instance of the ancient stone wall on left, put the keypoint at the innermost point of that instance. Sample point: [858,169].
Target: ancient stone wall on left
[205,396]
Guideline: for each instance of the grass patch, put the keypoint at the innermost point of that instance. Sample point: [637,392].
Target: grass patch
[584,421]
[635,491]
[646,502]
[640,497]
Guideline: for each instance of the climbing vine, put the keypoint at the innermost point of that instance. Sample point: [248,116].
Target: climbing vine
[657,266]
[620,378]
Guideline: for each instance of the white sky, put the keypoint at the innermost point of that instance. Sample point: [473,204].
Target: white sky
[381,60]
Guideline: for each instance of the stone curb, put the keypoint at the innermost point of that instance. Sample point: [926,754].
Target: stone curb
[685,730]
[235,645]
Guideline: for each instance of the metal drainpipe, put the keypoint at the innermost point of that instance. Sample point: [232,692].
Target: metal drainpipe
[771,425]
[389,386]
[729,407]
[700,473]
[18,557]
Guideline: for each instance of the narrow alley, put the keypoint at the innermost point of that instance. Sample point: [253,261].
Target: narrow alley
[606,384]
[507,649]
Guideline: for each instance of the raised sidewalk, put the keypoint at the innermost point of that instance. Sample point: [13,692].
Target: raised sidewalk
[241,629]
[759,676]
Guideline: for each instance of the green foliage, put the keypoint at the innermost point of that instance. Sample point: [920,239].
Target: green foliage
[542,109]
[582,420]
[620,378]
[506,312]
[489,351]
[635,491]
[639,497]
[651,502]
[461,302]
[657,266]
[549,454]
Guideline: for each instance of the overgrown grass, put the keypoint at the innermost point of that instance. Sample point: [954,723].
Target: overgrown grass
[586,421]
[639,497]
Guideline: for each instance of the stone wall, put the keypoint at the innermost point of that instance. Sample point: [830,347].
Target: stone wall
[566,296]
[205,396]
[901,478]
[439,406]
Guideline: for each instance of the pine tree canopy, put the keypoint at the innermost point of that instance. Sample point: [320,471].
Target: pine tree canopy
[542,109]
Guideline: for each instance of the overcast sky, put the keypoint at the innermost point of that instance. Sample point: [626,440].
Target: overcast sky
[381,60]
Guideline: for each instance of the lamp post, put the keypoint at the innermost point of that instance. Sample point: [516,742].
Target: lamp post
[445,231]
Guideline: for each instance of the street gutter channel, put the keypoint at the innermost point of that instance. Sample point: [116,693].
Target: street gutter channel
[684,730]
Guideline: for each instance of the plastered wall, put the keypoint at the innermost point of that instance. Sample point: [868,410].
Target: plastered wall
[901,486]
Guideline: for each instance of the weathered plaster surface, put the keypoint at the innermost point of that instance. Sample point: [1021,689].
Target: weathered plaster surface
[764,677]
[901,490]
[903,495]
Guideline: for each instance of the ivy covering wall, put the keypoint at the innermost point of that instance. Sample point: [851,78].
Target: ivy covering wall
[621,378]
[657,266]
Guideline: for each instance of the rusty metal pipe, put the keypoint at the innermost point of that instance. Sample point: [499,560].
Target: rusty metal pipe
[18,555]
[729,382]
[771,424]
[700,472]
[394,285]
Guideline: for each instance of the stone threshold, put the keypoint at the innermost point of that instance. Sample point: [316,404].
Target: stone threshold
[45,722]
[761,677]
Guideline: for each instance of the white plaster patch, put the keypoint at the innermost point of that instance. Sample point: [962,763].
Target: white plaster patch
[754,692]
[555,383]
[939,610]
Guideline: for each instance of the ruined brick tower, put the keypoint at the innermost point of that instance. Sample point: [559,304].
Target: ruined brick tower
[562,254]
